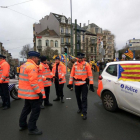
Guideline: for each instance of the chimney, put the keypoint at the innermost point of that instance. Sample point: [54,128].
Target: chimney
[88,22]
[84,24]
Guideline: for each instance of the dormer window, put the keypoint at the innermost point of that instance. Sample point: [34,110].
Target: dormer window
[63,20]
[69,20]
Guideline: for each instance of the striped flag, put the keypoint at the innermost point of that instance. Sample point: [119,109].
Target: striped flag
[129,72]
[129,53]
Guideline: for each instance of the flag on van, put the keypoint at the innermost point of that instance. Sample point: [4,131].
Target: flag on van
[129,53]
[129,72]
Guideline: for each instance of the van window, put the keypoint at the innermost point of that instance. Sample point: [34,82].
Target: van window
[112,70]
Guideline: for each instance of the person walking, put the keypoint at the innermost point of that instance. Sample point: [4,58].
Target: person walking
[59,71]
[30,89]
[70,65]
[4,80]
[82,75]
[47,79]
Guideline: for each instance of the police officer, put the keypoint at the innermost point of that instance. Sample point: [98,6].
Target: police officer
[32,90]
[47,79]
[4,80]
[82,75]
[59,71]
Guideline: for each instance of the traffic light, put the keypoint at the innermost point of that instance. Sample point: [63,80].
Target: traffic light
[65,51]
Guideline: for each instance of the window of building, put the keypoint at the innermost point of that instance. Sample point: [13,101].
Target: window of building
[83,38]
[56,43]
[63,20]
[84,47]
[67,40]
[62,30]
[91,49]
[52,43]
[62,40]
[112,70]
[109,56]
[39,42]
[69,20]
[47,43]
[66,30]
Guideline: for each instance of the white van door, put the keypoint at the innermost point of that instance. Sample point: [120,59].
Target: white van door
[110,77]
[129,95]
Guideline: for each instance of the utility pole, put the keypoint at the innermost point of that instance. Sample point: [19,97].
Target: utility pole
[75,37]
[80,40]
[71,29]
[95,51]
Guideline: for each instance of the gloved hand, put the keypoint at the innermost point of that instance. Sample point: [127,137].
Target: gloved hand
[69,86]
[40,95]
[91,88]
[54,77]
[60,79]
[49,79]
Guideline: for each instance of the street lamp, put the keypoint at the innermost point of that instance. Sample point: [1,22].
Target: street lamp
[71,28]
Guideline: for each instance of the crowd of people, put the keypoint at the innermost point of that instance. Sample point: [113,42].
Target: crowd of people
[36,76]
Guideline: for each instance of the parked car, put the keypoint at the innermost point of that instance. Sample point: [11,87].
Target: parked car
[116,93]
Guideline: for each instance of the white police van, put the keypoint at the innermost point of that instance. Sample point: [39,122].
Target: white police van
[117,93]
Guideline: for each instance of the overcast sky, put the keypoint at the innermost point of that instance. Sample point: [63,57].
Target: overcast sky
[121,17]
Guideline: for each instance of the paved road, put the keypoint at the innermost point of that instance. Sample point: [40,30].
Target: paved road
[61,122]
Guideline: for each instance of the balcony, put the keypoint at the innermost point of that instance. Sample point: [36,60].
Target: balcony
[67,34]
[67,44]
[62,43]
[39,47]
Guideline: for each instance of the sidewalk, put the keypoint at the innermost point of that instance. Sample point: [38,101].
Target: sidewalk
[95,78]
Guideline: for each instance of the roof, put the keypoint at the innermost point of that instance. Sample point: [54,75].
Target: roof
[124,62]
[48,32]
[59,17]
[91,25]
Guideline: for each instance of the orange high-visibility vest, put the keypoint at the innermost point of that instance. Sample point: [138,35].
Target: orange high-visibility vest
[61,72]
[46,72]
[30,81]
[4,72]
[81,71]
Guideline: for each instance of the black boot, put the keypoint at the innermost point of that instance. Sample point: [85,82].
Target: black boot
[48,104]
[79,111]
[42,107]
[35,132]
[6,107]
[23,128]
[62,101]
[57,99]
[84,116]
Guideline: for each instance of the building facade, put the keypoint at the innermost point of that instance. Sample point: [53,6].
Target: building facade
[134,44]
[108,44]
[48,38]
[60,24]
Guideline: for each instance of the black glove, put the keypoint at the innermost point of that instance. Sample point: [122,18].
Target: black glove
[60,79]
[49,79]
[54,77]
[69,86]
[40,95]
[91,88]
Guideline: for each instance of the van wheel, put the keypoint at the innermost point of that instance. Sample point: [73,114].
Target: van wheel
[109,101]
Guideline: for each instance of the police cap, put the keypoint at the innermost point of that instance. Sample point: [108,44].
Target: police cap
[2,56]
[43,58]
[33,53]
[80,55]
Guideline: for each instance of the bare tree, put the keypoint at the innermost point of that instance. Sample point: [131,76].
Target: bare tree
[25,49]
[49,52]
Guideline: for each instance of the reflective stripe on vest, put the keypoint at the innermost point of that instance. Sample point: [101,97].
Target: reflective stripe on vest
[82,72]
